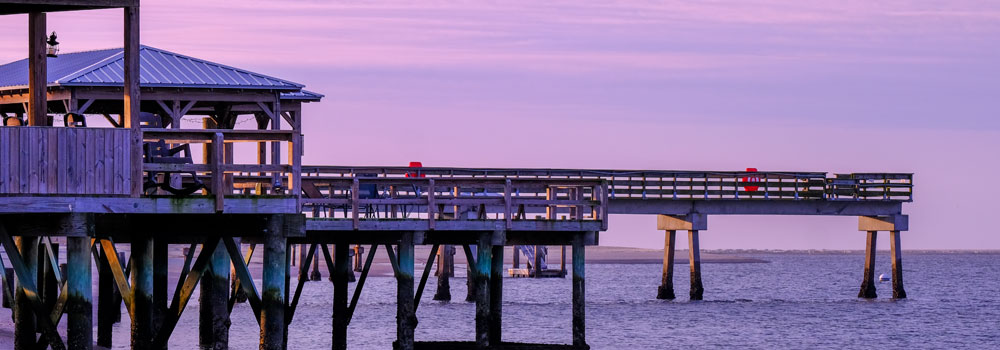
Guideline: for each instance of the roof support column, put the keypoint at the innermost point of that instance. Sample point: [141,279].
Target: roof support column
[37,75]
[130,117]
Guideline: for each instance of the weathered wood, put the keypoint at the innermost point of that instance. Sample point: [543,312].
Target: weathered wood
[423,277]
[579,292]
[213,302]
[131,99]
[48,160]
[406,318]
[694,257]
[24,316]
[108,306]
[341,313]
[245,281]
[445,270]
[482,279]
[896,251]
[361,282]
[666,290]
[868,281]
[496,296]
[37,76]
[182,295]
[79,307]
[142,292]
[272,313]
[470,274]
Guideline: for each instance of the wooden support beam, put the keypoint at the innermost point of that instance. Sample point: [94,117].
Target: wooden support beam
[361,282]
[406,318]
[160,271]
[341,314]
[496,296]
[245,280]
[182,295]
[306,258]
[423,277]
[142,292]
[79,307]
[694,256]
[868,280]
[120,278]
[131,99]
[272,312]
[470,275]
[666,290]
[579,293]
[37,72]
[213,306]
[897,265]
[108,302]
[28,307]
[482,278]
[445,269]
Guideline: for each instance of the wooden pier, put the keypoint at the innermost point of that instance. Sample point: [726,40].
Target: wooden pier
[137,183]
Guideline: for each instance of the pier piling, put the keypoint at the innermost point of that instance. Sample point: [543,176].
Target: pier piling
[897,266]
[272,311]
[107,303]
[142,292]
[482,278]
[160,270]
[579,293]
[666,290]
[79,307]
[868,282]
[694,256]
[213,310]
[445,269]
[496,296]
[24,316]
[340,273]
[406,319]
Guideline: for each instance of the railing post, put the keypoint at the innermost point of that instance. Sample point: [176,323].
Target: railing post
[507,204]
[355,187]
[430,204]
[218,175]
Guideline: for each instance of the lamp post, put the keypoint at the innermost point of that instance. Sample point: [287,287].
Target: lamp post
[53,46]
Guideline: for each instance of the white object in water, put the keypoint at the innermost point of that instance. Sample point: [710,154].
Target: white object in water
[883,277]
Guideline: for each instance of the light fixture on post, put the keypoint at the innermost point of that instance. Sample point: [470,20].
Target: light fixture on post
[53,46]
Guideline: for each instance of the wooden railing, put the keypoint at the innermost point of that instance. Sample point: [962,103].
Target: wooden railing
[66,161]
[270,178]
[658,184]
[433,199]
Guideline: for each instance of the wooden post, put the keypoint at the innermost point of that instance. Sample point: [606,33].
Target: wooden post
[24,316]
[537,264]
[445,268]
[579,292]
[316,275]
[37,75]
[868,282]
[516,257]
[79,308]
[48,286]
[470,274]
[213,303]
[897,266]
[272,311]
[160,270]
[142,290]
[406,319]
[130,115]
[694,255]
[106,306]
[496,296]
[666,290]
[562,260]
[341,268]
[482,278]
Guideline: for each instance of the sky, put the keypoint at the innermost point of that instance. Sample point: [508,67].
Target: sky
[835,86]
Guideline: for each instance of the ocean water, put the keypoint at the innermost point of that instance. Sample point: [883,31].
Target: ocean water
[796,300]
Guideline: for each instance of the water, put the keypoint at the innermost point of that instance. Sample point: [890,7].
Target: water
[796,300]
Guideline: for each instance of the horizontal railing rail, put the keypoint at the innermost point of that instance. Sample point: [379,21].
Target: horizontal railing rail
[669,184]
[219,165]
[434,199]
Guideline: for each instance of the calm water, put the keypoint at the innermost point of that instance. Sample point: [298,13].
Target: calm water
[795,301]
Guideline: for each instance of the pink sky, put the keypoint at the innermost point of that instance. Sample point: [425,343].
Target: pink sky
[837,86]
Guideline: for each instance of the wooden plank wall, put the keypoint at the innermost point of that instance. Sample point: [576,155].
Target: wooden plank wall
[65,161]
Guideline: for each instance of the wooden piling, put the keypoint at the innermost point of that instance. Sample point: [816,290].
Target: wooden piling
[445,268]
[107,303]
[272,311]
[142,292]
[213,302]
[340,274]
[666,290]
[24,316]
[160,270]
[482,278]
[406,320]
[537,264]
[579,293]
[897,266]
[316,275]
[868,282]
[470,274]
[694,256]
[48,286]
[79,307]
[496,296]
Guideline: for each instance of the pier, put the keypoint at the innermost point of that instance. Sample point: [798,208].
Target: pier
[140,182]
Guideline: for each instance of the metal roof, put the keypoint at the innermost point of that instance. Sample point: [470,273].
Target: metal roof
[301,95]
[157,68]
